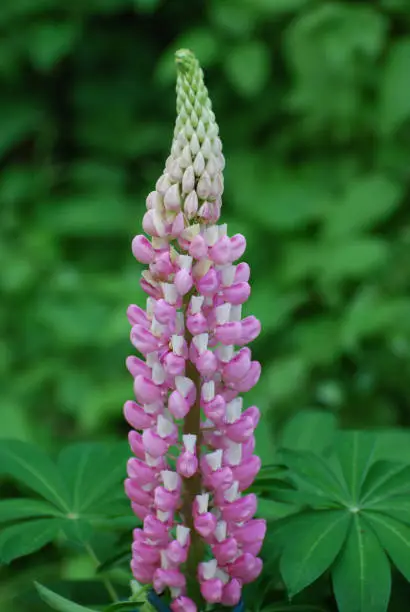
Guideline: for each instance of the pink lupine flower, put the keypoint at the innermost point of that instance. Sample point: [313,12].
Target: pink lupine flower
[192,338]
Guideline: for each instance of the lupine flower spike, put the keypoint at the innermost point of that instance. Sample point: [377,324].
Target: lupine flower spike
[199,540]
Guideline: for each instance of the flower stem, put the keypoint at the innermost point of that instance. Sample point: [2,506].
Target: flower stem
[192,488]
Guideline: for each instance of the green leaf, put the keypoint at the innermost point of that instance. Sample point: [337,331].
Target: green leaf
[271,481]
[395,539]
[312,547]
[361,575]
[76,215]
[248,67]
[25,538]
[235,19]
[369,200]
[77,529]
[30,466]
[355,454]
[299,196]
[370,313]
[284,375]
[117,523]
[353,259]
[271,306]
[310,430]
[313,475]
[57,602]
[278,533]
[92,473]
[393,445]
[15,420]
[394,98]
[269,472]
[321,353]
[396,507]
[16,509]
[49,42]
[88,173]
[273,510]
[264,436]
[385,480]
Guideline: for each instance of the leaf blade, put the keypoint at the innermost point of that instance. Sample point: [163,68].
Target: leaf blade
[395,539]
[61,604]
[355,451]
[361,575]
[396,507]
[92,472]
[20,508]
[29,465]
[310,550]
[385,479]
[25,538]
[311,473]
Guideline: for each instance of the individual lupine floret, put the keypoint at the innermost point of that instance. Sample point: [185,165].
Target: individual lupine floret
[193,442]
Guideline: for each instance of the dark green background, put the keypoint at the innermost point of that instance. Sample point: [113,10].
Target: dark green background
[313,103]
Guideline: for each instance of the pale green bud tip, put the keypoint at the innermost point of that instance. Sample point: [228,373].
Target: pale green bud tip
[191,91]
[185,61]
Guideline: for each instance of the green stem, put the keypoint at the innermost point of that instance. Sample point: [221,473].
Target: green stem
[106,581]
[192,488]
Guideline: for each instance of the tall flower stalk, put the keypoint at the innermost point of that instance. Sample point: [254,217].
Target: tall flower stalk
[193,442]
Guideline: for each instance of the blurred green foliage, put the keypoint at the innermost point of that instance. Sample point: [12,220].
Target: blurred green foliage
[313,103]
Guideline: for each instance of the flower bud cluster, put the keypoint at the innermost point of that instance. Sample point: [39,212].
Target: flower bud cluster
[193,441]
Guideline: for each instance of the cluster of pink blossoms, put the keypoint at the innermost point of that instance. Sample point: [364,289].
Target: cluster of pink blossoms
[193,443]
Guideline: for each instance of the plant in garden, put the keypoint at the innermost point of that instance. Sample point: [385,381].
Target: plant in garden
[336,503]
[350,514]
[192,441]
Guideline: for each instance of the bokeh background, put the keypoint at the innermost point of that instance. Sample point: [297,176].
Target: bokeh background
[313,102]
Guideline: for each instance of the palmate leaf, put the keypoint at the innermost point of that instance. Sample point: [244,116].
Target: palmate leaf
[269,472]
[86,488]
[385,480]
[270,509]
[25,538]
[395,539]
[312,474]
[77,530]
[276,537]
[355,450]
[396,507]
[361,574]
[370,496]
[56,602]
[31,466]
[93,472]
[22,508]
[272,481]
[313,541]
